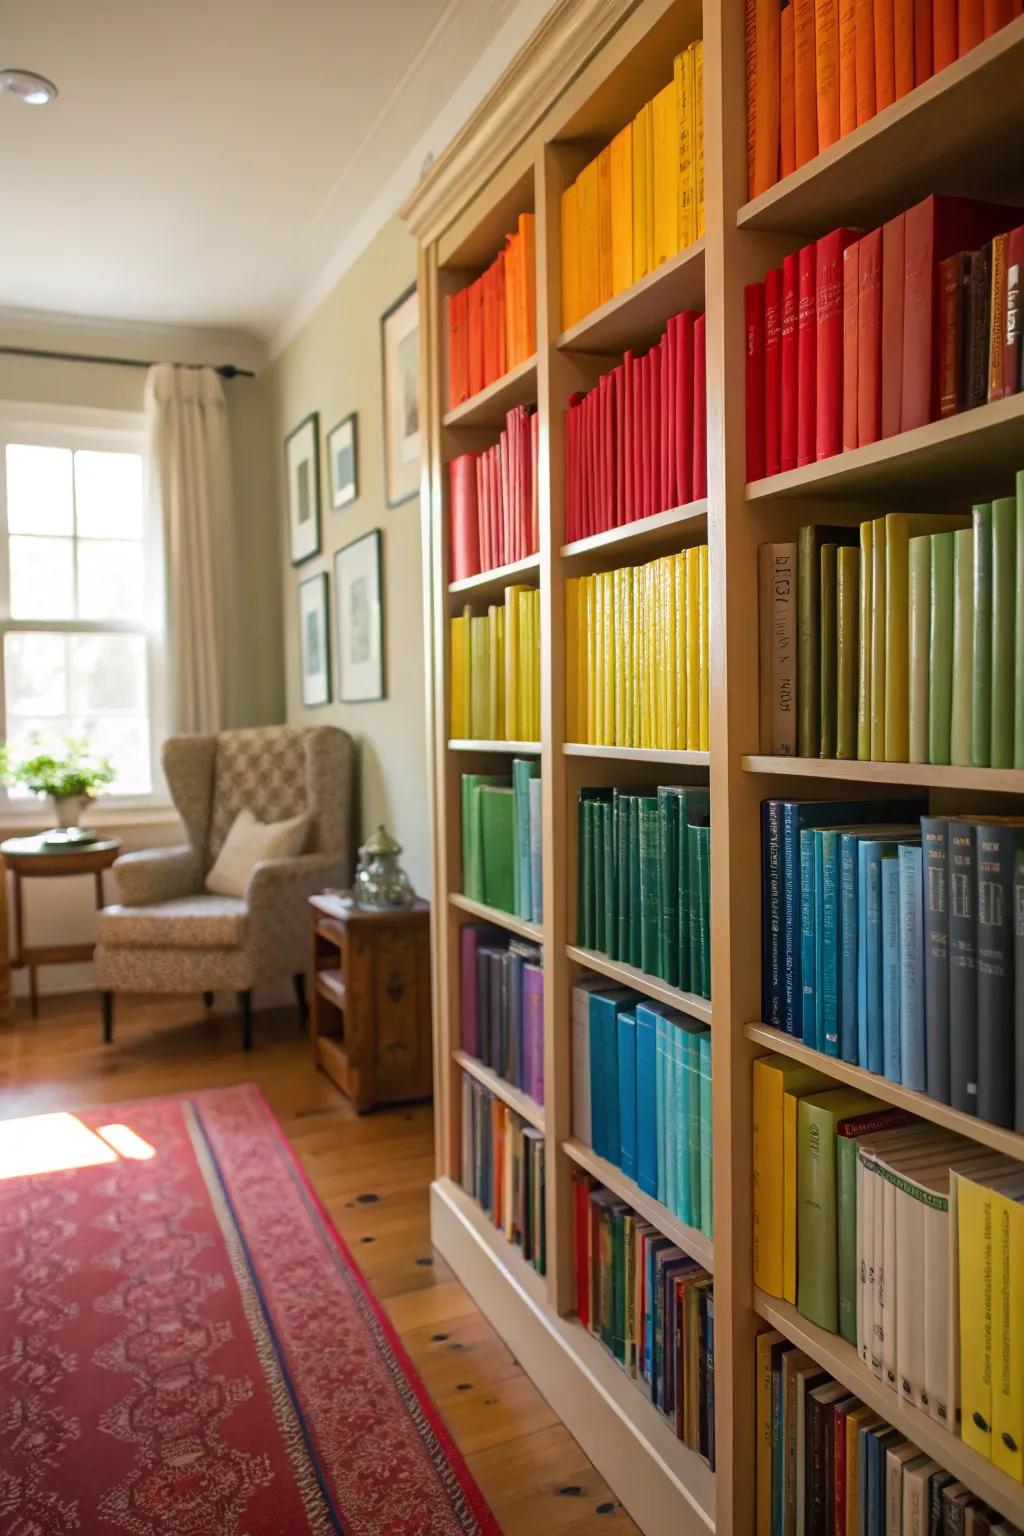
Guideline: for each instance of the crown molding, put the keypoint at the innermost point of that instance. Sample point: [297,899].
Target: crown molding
[544,67]
[130,338]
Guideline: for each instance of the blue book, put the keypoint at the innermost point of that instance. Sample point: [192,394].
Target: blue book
[670,1195]
[778,1447]
[772,988]
[523,770]
[848,967]
[706,1167]
[891,965]
[871,1053]
[863,1439]
[627,1093]
[691,1034]
[912,1037]
[647,1099]
[829,972]
[657,1246]
[879,1441]
[661,1066]
[808,942]
[604,1070]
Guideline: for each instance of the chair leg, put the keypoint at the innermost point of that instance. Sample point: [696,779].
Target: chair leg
[107,1004]
[208,999]
[300,998]
[245,1009]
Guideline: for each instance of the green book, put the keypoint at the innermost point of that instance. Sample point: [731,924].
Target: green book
[818,1115]
[685,982]
[668,874]
[963,646]
[635,913]
[702,907]
[523,770]
[597,859]
[847,656]
[611,903]
[472,832]
[808,567]
[621,804]
[879,610]
[940,681]
[1004,619]
[479,681]
[498,831]
[827,653]
[919,620]
[981,698]
[650,885]
[586,918]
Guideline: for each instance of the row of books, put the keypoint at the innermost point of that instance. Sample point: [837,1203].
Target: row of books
[818,69]
[641,199]
[492,323]
[896,946]
[899,639]
[501,1005]
[644,881]
[495,670]
[826,1462]
[651,1306]
[636,443]
[641,1094]
[503,1169]
[818,377]
[502,861]
[493,517]
[636,654]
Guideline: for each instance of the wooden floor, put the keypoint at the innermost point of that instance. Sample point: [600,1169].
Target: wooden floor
[372,1174]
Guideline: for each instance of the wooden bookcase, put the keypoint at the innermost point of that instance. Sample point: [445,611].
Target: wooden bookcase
[585,73]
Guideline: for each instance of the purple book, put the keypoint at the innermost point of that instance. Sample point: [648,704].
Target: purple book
[471,937]
[533,1032]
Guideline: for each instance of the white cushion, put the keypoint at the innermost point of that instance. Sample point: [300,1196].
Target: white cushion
[247,844]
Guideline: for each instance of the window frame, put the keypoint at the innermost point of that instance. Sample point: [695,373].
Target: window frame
[77,428]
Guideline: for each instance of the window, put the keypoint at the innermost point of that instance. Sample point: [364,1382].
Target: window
[81,613]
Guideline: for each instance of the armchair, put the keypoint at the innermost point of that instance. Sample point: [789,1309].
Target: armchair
[168,934]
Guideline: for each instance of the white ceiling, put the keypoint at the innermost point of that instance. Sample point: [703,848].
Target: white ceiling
[208,159]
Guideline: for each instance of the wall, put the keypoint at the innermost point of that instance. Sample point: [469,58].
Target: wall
[333,366]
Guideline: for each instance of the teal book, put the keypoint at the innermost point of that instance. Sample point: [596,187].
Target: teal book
[523,770]
[848,966]
[472,832]
[891,965]
[621,803]
[661,1123]
[611,903]
[597,864]
[707,1221]
[586,919]
[497,826]
[676,1109]
[912,1039]
[981,694]
[604,1009]
[668,871]
[683,899]
[627,1093]
[1018,631]
[1004,619]
[827,855]
[691,1033]
[869,883]
[666,1113]
[940,675]
[650,885]
[634,880]
[702,839]
[808,941]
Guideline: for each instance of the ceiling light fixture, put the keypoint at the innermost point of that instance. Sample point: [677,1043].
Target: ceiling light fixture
[34,90]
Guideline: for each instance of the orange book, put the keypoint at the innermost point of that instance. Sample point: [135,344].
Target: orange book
[763,59]
[944,36]
[970,25]
[847,67]
[806,87]
[621,157]
[570,258]
[903,46]
[750,55]
[864,43]
[512,259]
[885,54]
[924,60]
[604,225]
[787,93]
[826,70]
[527,230]
[587,203]
[995,14]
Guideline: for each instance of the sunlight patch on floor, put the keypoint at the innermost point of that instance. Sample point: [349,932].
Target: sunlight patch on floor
[50,1143]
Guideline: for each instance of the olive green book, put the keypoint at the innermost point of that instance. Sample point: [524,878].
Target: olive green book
[864,645]
[847,649]
[649,884]
[878,620]
[818,1115]
[940,682]
[981,698]
[1004,605]
[919,627]
[808,671]
[1018,629]
[899,526]
[827,652]
[963,647]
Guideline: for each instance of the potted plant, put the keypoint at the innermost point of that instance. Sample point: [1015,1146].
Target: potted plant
[71,775]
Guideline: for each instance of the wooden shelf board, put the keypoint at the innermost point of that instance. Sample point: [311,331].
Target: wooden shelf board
[638,754]
[638,316]
[1006,781]
[650,986]
[1009,1142]
[938,137]
[689,1239]
[657,533]
[486,914]
[519,748]
[331,985]
[974,454]
[508,1093]
[487,582]
[834,1354]
[490,406]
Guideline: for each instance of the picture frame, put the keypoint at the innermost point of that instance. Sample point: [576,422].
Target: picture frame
[343,462]
[359,620]
[400,369]
[314,641]
[302,474]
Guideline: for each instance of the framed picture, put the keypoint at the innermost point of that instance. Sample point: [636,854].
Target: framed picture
[314,641]
[359,620]
[302,462]
[343,463]
[400,356]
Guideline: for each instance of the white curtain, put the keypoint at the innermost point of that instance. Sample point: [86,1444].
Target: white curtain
[190,465]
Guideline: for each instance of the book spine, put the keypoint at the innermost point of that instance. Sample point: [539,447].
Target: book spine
[963,646]
[648,1130]
[808,641]
[869,338]
[1004,617]
[995,853]
[847,67]
[808,942]
[981,698]
[772,988]
[829,1038]
[772,371]
[848,947]
[649,885]
[863,643]
[911,967]
[851,282]
[940,680]
[997,318]
[807,368]
[829,335]
[891,992]
[871,882]
[817,1291]
[627,1158]
[864,48]
[827,649]
[847,606]
[879,619]
[705,1140]
[893,257]
[963,1025]
[792,996]
[789,415]
[919,618]
[1014,312]
[806,113]
[935,916]
[755,375]
[1018,999]
[951,337]
[668,872]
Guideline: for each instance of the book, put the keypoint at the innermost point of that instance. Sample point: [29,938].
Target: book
[774,1077]
[828,293]
[817,1115]
[777,573]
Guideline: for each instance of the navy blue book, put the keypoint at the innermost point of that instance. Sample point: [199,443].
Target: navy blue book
[936,956]
[996,854]
[963,966]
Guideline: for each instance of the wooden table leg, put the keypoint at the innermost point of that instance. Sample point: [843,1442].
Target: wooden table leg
[33,990]
[100,898]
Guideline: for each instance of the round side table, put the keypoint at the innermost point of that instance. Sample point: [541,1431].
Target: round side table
[31,857]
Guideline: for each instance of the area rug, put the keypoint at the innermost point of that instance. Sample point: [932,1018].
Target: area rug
[187,1347]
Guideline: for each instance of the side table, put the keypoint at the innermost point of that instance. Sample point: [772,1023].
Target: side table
[32,857]
[370,1011]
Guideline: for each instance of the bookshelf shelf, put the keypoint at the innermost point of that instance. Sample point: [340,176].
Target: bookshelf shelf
[492,583]
[515,1098]
[637,754]
[637,317]
[643,539]
[834,1354]
[490,406]
[486,914]
[1005,781]
[689,1239]
[650,986]
[516,748]
[1009,1142]
[939,137]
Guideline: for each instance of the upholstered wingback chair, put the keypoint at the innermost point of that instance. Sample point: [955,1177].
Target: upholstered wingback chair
[168,934]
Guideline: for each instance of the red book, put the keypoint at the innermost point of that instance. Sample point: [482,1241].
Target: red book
[924,42]
[869,338]
[772,370]
[892,323]
[638,437]
[885,54]
[951,334]
[851,280]
[700,411]
[807,362]
[608,445]
[970,25]
[534,484]
[668,414]
[587,522]
[790,371]
[1014,310]
[628,465]
[504,543]
[571,416]
[483,525]
[995,14]
[828,300]
[618,430]
[684,406]
[753,296]
[935,228]
[944,33]
[650,435]
[475,319]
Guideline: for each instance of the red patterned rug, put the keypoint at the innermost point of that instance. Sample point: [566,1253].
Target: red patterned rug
[187,1348]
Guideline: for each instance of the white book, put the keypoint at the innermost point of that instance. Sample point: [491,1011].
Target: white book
[916,1514]
[865,1227]
[890,1277]
[897,1459]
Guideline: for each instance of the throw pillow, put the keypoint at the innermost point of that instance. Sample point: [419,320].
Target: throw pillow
[247,844]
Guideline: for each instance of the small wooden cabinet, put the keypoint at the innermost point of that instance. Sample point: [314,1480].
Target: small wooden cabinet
[370,1015]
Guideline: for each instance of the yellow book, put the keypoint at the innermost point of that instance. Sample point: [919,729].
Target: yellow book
[789,1162]
[597,658]
[479,672]
[686,117]
[774,1076]
[856,1419]
[765,1344]
[608,657]
[668,578]
[572,661]
[679,656]
[641,247]
[658,652]
[619,652]
[665,126]
[692,651]
[651,676]
[510,729]
[639,656]
[604,225]
[974,1261]
[628,660]
[529,691]
[1008,1337]
[864,644]
[621,155]
[877,631]
[458,701]
[536,665]
[588,203]
[704,717]
[698,132]
[494,661]
[570,258]
[590,584]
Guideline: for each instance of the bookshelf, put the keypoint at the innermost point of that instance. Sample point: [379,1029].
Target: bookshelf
[585,73]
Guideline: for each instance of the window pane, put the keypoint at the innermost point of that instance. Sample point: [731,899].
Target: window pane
[39,489]
[108,674]
[108,495]
[126,743]
[35,672]
[109,579]
[42,585]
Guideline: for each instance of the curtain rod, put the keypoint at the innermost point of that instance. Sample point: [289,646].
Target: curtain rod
[225,370]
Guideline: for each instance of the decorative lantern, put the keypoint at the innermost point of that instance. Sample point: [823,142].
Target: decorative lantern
[381,882]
